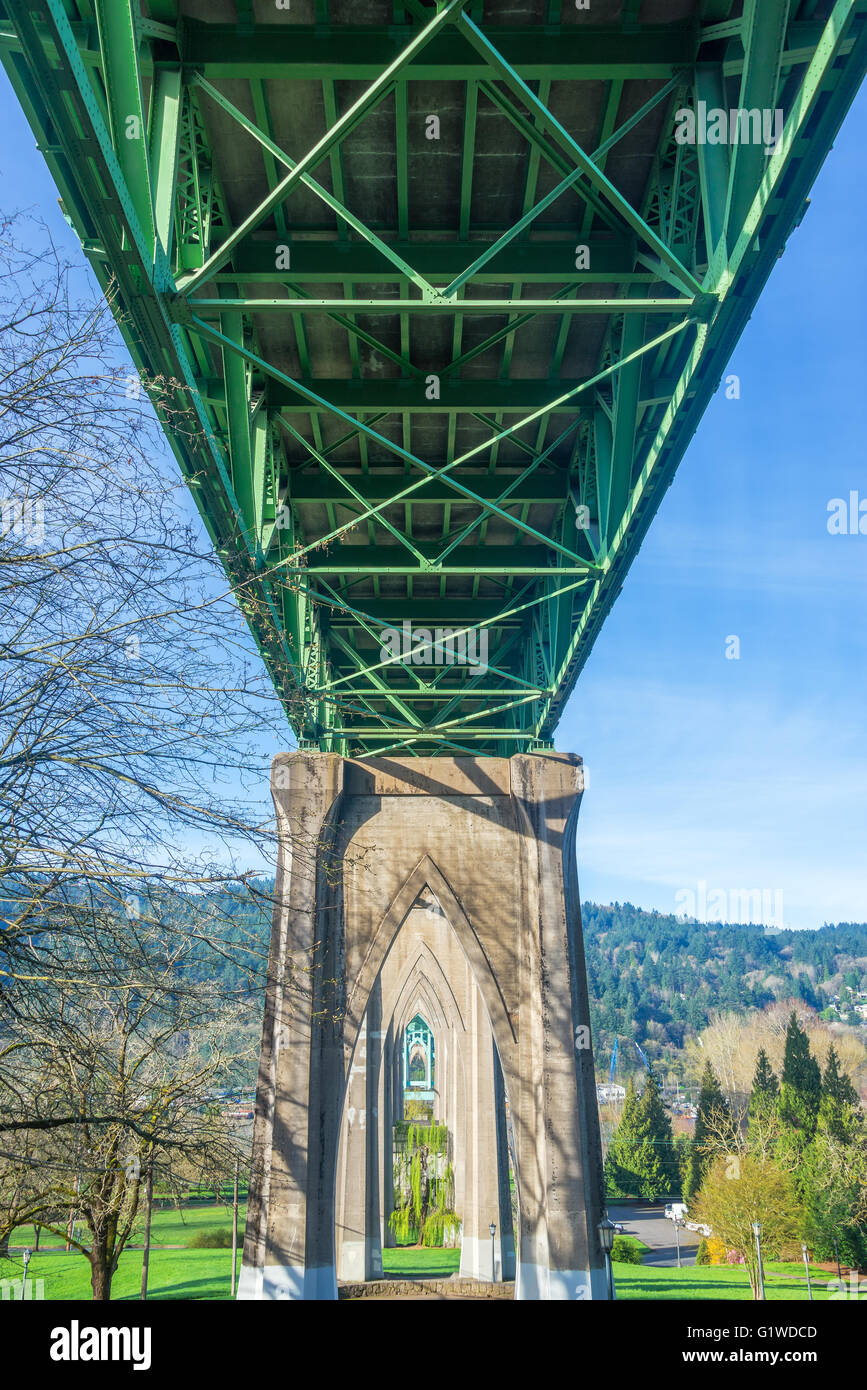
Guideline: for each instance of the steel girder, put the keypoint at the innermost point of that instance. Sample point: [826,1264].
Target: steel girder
[455,471]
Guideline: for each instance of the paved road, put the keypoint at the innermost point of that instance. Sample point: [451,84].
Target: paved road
[651,1227]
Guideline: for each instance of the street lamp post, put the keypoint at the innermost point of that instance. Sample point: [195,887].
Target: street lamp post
[607,1231]
[493,1230]
[26,1258]
[757,1232]
[677,1238]
[807,1268]
[837,1257]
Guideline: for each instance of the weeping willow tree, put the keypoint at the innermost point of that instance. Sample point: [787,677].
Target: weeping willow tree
[424,1186]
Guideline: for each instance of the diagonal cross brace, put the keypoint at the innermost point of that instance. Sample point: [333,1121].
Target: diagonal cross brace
[432,473]
[484,46]
[569,181]
[328,198]
[375,93]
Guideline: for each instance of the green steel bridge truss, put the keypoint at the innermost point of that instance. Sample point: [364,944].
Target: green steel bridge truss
[445,296]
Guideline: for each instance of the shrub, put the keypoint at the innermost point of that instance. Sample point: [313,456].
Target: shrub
[702,1254]
[717,1250]
[626,1250]
[220,1239]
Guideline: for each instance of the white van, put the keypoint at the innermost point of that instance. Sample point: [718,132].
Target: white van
[675,1211]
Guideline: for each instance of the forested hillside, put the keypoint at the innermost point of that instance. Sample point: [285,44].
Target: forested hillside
[653,978]
[656,978]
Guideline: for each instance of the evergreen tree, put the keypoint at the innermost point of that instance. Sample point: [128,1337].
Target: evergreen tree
[837,1084]
[837,1108]
[664,1177]
[713,1126]
[641,1158]
[833,1180]
[621,1178]
[763,1097]
[801,1083]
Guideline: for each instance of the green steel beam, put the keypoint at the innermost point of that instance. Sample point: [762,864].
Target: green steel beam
[584,162]
[653,53]
[117,26]
[476,537]
[507,494]
[481,559]
[164,149]
[398,264]
[437,305]
[379,687]
[356,54]
[765,23]
[447,470]
[238,410]
[714,161]
[464,396]
[619,480]
[529,486]
[589,168]
[219,338]
[347,485]
[447,611]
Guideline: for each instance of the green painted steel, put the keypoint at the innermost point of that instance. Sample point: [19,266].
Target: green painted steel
[446,298]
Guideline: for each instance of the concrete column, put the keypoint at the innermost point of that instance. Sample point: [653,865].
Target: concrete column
[386,1136]
[551,1080]
[455,1122]
[357,1233]
[506,1268]
[289,1242]
[477,1138]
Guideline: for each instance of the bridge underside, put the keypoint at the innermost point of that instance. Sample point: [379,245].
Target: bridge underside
[442,298]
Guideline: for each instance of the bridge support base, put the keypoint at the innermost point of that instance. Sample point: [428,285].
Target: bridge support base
[445,886]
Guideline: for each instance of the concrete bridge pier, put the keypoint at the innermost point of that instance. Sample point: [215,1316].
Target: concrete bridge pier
[485,1190]
[358,1234]
[386,1104]
[364,844]
[469,1096]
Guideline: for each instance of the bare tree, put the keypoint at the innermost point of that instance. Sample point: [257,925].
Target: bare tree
[731,1042]
[137,1068]
[134,702]
[136,725]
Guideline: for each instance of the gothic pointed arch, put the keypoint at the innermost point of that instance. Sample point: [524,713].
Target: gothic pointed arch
[427,874]
[423,965]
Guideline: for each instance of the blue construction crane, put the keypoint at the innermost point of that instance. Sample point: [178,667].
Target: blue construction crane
[613,1066]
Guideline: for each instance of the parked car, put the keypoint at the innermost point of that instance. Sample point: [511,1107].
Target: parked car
[675,1211]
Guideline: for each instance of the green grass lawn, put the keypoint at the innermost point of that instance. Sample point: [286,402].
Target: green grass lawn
[190,1274]
[180,1273]
[421,1264]
[715,1281]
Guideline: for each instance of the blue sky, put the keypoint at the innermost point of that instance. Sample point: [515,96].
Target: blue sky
[752,773]
[746,774]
